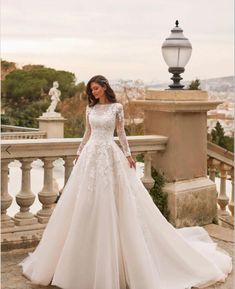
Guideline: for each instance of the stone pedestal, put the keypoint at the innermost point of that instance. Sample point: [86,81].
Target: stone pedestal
[53,124]
[181,115]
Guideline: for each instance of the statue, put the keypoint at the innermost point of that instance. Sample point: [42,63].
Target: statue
[55,93]
[51,122]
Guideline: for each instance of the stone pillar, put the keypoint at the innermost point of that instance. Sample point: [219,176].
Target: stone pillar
[47,196]
[213,165]
[25,198]
[68,167]
[231,202]
[147,179]
[181,115]
[6,199]
[222,197]
[53,124]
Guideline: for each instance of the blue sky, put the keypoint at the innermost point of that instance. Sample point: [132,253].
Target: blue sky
[119,39]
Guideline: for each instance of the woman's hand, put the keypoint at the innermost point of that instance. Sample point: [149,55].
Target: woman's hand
[77,157]
[131,162]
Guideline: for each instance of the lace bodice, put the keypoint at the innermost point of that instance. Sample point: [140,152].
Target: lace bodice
[101,121]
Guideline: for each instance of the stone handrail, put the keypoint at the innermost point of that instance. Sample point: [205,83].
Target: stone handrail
[219,153]
[21,132]
[23,135]
[30,226]
[11,149]
[13,128]
[221,161]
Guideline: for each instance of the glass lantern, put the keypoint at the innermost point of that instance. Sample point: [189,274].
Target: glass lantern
[176,51]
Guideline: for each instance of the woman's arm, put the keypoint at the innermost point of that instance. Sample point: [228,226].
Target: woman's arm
[121,131]
[87,132]
[122,135]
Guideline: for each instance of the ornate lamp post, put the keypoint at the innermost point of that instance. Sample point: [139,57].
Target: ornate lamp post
[181,115]
[176,51]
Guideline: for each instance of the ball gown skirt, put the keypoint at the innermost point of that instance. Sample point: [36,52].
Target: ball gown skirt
[106,233]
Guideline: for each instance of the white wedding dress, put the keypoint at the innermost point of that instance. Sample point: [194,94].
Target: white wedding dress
[106,232]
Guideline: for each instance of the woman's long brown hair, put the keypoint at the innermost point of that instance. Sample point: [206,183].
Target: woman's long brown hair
[101,80]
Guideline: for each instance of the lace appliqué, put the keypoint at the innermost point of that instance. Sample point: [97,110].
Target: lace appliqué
[120,124]
[87,133]
[101,121]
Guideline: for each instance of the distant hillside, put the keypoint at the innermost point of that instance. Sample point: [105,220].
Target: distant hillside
[219,84]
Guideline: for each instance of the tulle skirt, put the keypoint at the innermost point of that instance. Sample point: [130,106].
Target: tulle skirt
[106,233]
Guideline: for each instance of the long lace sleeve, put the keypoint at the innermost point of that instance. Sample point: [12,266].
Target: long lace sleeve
[87,132]
[121,131]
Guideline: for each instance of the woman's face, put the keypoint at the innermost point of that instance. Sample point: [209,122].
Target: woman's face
[97,90]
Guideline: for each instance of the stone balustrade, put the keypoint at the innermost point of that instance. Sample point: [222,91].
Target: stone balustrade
[220,163]
[23,135]
[25,228]
[20,132]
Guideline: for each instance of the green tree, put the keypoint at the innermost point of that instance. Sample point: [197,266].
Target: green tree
[25,93]
[194,85]
[25,86]
[229,143]
[218,137]
[6,68]
[73,109]
[217,134]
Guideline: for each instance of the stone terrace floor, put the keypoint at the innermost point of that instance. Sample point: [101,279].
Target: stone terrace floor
[12,278]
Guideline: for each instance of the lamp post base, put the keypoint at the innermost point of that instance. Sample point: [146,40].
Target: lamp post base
[176,71]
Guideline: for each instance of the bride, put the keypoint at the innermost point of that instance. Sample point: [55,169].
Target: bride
[106,232]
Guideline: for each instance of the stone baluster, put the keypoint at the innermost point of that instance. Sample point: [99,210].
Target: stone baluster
[68,167]
[25,198]
[231,202]
[6,199]
[222,198]
[47,196]
[147,179]
[213,165]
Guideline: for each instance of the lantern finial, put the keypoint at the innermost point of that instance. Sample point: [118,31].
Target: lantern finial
[176,23]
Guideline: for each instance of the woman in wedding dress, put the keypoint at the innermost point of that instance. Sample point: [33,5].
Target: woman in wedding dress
[106,232]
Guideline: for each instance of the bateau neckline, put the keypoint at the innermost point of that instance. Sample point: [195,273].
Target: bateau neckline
[105,103]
